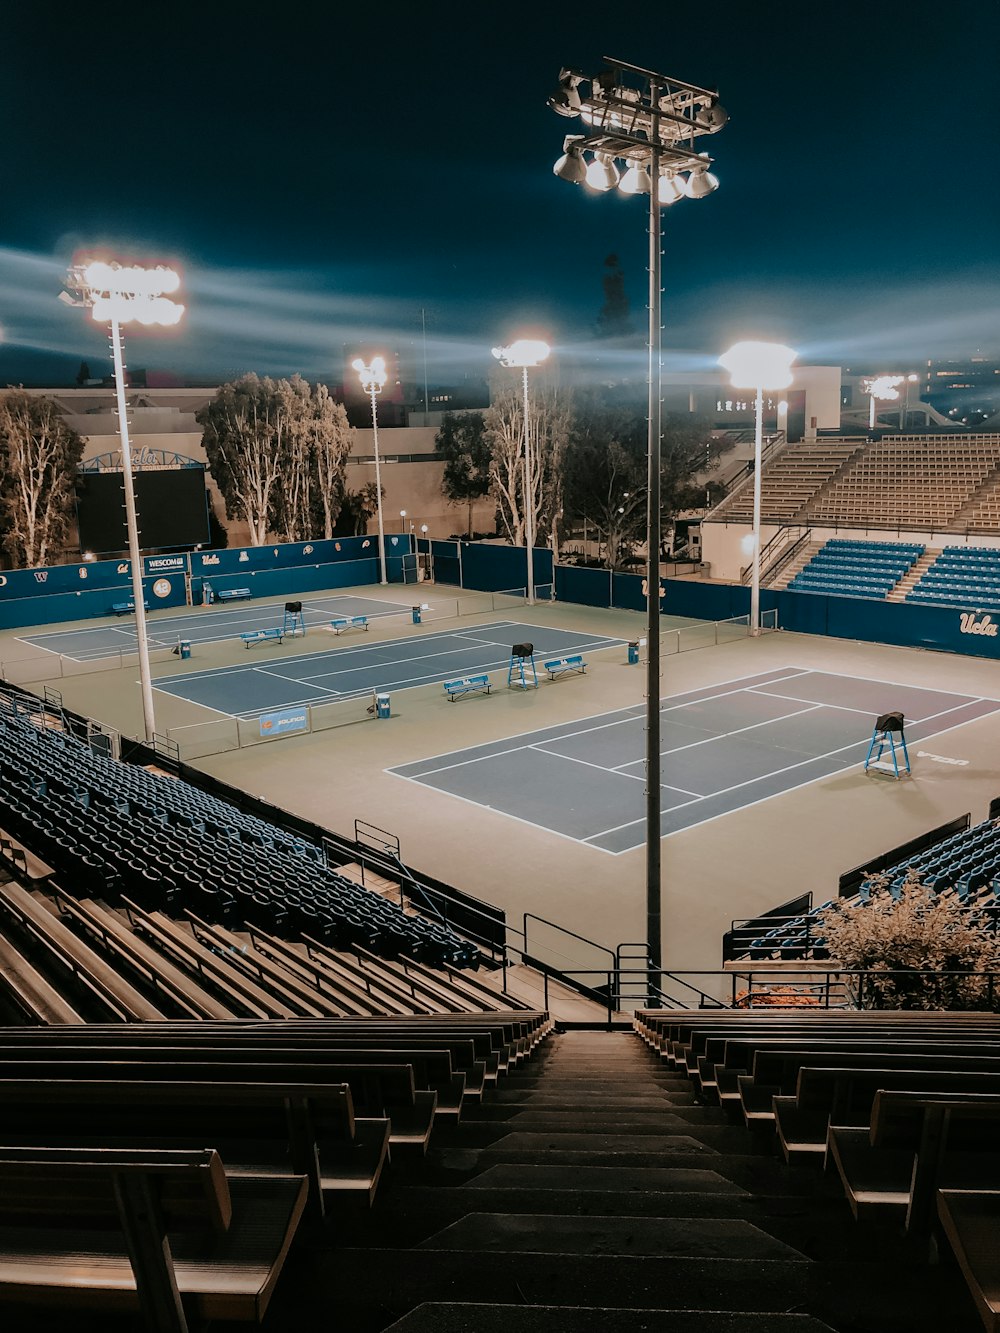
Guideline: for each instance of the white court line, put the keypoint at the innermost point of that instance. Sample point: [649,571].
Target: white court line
[900,685]
[867,712]
[826,754]
[518,819]
[601,769]
[620,716]
[724,735]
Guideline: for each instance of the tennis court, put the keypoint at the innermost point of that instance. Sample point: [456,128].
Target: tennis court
[723,747]
[94,642]
[385,665]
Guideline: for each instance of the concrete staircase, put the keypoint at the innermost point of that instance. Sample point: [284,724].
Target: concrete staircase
[591,1194]
[799,562]
[916,571]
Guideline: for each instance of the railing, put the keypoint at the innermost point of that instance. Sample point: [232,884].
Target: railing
[771,444]
[778,552]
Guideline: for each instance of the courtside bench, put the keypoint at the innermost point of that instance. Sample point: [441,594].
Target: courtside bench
[466,685]
[234,595]
[262,635]
[349,622]
[558,666]
[123,608]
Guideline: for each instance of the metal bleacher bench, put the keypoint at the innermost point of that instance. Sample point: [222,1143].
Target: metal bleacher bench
[234,594]
[123,608]
[348,622]
[556,666]
[466,685]
[262,635]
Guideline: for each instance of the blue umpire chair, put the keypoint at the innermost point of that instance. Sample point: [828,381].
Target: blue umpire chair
[888,727]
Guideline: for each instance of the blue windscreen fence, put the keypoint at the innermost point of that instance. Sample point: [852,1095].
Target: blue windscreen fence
[76,592]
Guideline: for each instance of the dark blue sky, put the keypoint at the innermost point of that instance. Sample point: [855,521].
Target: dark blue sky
[323,173]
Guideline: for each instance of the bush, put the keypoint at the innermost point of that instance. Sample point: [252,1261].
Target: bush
[920,933]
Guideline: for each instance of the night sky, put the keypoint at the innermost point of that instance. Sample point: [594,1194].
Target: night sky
[324,173]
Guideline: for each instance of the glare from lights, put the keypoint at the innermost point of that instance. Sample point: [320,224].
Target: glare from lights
[759,365]
[127,293]
[524,352]
[373,375]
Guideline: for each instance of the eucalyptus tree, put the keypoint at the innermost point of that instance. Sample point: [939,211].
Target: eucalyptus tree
[39,457]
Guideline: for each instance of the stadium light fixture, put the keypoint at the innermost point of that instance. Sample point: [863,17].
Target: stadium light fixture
[118,294]
[373,377]
[648,121]
[758,366]
[525,354]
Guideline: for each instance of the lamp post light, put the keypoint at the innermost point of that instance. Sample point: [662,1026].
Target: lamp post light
[649,122]
[759,366]
[402,520]
[117,294]
[525,353]
[373,379]
[885,388]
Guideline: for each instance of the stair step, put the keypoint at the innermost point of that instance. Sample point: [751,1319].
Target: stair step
[455,1317]
[619,1179]
[621,1119]
[578,1145]
[542,1233]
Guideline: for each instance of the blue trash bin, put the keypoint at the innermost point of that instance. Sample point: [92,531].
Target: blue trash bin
[416,615]
[633,653]
[185,646]
[382,705]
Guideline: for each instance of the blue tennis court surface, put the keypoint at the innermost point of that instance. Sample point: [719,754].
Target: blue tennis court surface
[385,665]
[724,747]
[202,626]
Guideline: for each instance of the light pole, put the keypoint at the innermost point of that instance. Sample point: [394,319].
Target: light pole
[648,121]
[402,520]
[118,295]
[373,379]
[759,366]
[524,353]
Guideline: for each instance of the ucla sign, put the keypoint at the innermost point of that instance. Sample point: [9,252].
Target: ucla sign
[970,624]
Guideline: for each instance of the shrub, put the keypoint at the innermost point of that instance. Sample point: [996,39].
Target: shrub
[915,935]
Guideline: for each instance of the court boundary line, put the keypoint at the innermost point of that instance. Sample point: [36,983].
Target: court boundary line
[808,706]
[194,614]
[725,735]
[825,754]
[612,713]
[335,696]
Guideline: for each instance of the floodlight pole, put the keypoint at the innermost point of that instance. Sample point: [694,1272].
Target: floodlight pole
[653,859]
[373,391]
[529,499]
[758,437]
[135,556]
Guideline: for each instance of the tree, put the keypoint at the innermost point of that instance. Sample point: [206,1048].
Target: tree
[552,419]
[605,475]
[245,433]
[914,934]
[293,504]
[549,418]
[39,456]
[356,508]
[331,440]
[505,433]
[463,443]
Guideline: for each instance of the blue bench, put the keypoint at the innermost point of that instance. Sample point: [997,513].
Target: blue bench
[466,685]
[262,635]
[234,595]
[349,622]
[123,608]
[559,665]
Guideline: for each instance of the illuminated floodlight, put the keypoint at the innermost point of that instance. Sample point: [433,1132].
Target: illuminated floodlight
[635,180]
[701,181]
[373,375]
[602,174]
[758,365]
[523,352]
[571,166]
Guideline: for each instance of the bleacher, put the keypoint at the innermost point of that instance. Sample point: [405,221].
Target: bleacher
[903,1109]
[961,576]
[965,863]
[116,829]
[867,569]
[948,483]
